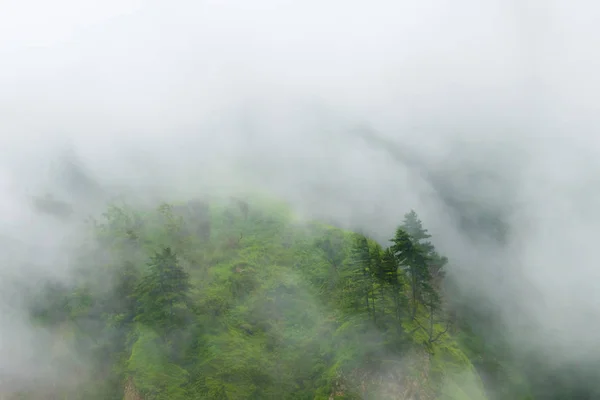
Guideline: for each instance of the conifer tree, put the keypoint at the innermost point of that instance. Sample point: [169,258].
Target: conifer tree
[413,258]
[360,263]
[332,245]
[419,235]
[377,274]
[388,274]
[428,266]
[123,302]
[414,227]
[435,262]
[162,292]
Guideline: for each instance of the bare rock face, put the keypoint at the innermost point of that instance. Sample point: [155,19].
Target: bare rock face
[406,379]
[130,392]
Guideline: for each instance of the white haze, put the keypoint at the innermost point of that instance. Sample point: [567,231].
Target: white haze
[169,98]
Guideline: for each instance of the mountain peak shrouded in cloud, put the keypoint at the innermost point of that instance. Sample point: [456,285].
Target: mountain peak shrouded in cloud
[481,115]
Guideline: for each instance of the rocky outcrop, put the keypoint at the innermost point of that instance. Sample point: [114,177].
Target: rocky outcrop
[405,379]
[130,392]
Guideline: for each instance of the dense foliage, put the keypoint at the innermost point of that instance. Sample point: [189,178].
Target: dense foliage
[237,300]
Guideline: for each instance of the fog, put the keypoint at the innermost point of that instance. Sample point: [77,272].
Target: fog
[171,100]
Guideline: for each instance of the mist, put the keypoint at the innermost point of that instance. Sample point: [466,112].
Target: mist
[158,101]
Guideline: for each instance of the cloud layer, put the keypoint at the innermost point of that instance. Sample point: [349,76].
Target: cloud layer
[496,101]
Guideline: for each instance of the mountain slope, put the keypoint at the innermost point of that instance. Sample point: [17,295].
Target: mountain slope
[236,299]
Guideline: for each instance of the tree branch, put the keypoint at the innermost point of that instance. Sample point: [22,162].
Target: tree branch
[439,335]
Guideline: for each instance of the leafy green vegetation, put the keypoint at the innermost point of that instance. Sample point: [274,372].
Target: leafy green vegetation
[241,300]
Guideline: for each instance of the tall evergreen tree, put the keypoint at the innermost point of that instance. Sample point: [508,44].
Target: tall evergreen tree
[360,264]
[413,258]
[332,245]
[391,277]
[414,227]
[420,236]
[162,293]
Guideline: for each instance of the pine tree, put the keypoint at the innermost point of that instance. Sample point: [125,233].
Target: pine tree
[426,267]
[162,293]
[332,245]
[360,264]
[123,302]
[413,258]
[377,274]
[419,235]
[390,277]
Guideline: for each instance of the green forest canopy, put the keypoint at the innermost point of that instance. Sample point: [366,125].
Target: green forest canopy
[241,300]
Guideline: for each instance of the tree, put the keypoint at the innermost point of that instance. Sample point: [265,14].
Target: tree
[162,293]
[332,245]
[360,273]
[414,227]
[413,259]
[426,268]
[419,235]
[389,275]
[123,302]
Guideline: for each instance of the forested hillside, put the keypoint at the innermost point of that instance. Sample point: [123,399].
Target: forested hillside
[236,299]
[240,300]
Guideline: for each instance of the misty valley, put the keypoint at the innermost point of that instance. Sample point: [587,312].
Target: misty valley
[299,200]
